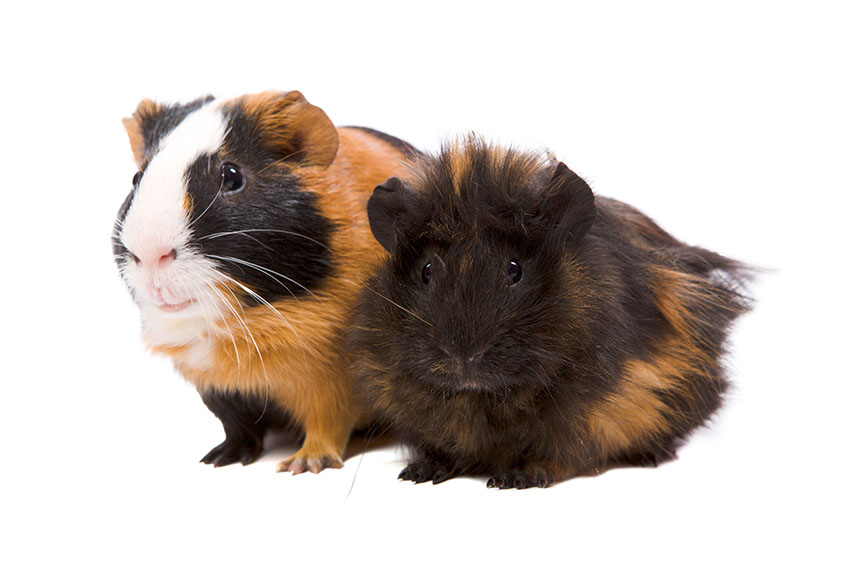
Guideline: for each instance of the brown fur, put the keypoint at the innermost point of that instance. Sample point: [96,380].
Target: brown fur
[292,125]
[293,356]
[133,125]
[605,351]
[306,370]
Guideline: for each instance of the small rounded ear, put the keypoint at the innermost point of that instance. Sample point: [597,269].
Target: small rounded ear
[571,206]
[146,110]
[391,210]
[293,127]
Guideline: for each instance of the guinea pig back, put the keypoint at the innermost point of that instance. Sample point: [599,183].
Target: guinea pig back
[526,330]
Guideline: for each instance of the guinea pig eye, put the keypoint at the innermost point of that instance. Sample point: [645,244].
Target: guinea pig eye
[231,178]
[426,273]
[514,272]
[137,178]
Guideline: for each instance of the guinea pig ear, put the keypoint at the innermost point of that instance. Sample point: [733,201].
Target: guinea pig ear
[571,206]
[293,127]
[145,113]
[391,212]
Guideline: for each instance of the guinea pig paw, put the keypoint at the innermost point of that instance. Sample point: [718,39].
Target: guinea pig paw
[648,458]
[302,462]
[423,471]
[233,451]
[527,477]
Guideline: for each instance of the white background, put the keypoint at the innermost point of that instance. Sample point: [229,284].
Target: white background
[728,123]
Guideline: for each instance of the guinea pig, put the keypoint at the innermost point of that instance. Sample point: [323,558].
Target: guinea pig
[526,330]
[245,242]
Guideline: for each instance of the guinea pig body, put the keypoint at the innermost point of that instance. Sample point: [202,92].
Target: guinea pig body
[525,330]
[244,242]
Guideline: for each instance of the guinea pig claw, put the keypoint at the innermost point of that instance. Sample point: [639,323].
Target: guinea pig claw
[244,451]
[298,464]
[440,476]
[520,479]
[423,471]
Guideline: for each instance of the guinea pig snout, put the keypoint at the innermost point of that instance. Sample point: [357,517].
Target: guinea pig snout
[155,269]
[463,360]
[154,257]
[463,371]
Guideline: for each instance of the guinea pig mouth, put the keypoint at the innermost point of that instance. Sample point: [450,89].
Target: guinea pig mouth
[471,385]
[454,374]
[175,307]
[472,381]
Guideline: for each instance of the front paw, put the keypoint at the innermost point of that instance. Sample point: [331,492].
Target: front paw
[304,461]
[521,477]
[233,451]
[425,470]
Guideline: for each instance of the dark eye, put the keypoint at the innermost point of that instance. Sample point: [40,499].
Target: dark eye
[231,178]
[514,272]
[137,178]
[426,273]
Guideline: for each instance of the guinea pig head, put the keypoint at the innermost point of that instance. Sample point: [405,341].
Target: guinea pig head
[217,214]
[483,247]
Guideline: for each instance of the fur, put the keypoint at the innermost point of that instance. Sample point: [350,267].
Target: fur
[248,288]
[605,351]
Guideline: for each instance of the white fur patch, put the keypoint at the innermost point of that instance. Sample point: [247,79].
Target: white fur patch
[156,217]
[157,222]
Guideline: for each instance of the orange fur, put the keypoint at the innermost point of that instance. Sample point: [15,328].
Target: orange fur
[294,355]
[635,412]
[289,121]
[133,126]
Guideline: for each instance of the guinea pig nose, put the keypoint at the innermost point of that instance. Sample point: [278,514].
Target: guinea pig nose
[168,257]
[154,258]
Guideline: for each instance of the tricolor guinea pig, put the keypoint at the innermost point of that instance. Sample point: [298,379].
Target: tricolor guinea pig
[244,242]
[526,330]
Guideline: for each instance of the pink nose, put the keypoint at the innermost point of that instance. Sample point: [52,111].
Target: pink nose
[167,258]
[156,258]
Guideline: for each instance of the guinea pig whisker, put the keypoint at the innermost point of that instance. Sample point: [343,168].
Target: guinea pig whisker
[287,232]
[281,160]
[257,267]
[240,320]
[260,299]
[199,297]
[215,306]
[397,305]
[239,233]
[205,210]
[256,346]
[266,271]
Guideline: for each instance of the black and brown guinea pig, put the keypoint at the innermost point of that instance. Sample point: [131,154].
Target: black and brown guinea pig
[528,331]
[244,242]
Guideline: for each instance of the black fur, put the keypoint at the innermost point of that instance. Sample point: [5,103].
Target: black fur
[156,126]
[119,251]
[407,149]
[485,377]
[269,236]
[246,419]
[284,247]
